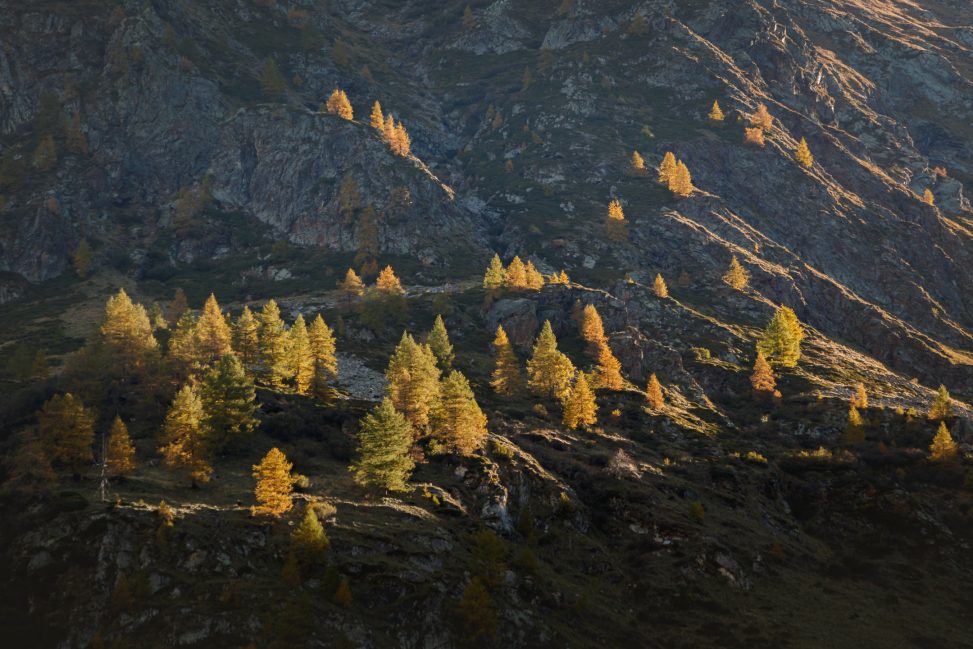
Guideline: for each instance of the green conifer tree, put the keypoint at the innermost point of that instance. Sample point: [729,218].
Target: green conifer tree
[781,341]
[309,540]
[384,443]
[941,406]
[228,401]
[495,277]
[438,341]
[66,430]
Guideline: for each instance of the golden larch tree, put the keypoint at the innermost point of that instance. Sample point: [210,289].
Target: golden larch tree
[638,163]
[943,448]
[339,105]
[860,398]
[274,484]
[352,286]
[681,181]
[592,328]
[609,373]
[580,407]
[804,154]
[246,338]
[120,453]
[653,393]
[667,168]
[615,212]
[941,406]
[549,371]
[183,446]
[659,286]
[377,119]
[213,335]
[534,278]
[781,341]
[854,428]
[517,274]
[323,348]
[762,380]
[273,343]
[715,113]
[388,282]
[495,276]
[507,379]
[762,119]
[126,334]
[300,357]
[928,197]
[736,275]
[457,421]
[413,380]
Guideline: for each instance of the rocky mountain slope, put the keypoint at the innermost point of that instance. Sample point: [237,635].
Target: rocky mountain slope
[150,130]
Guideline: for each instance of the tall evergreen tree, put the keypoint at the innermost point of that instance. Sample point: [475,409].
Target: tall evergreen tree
[66,430]
[653,393]
[300,356]
[941,406]
[384,443]
[388,283]
[438,341]
[716,113]
[413,377]
[246,339]
[183,447]
[126,334]
[681,181]
[781,341]
[183,357]
[549,371]
[228,402]
[736,275]
[212,333]
[273,344]
[495,276]
[274,485]
[457,420]
[580,408]
[352,286]
[943,448]
[535,280]
[120,457]
[507,379]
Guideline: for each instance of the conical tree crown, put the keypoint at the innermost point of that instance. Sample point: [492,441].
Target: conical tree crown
[638,162]
[781,341]
[323,347]
[309,540]
[438,341]
[762,119]
[66,430]
[592,329]
[457,420]
[667,168]
[352,285]
[580,408]
[274,484]
[615,211]
[184,355]
[517,274]
[120,457]
[388,283]
[860,398]
[228,402]
[535,281]
[736,275]
[762,378]
[183,447]
[659,286]
[653,393]
[300,358]
[212,333]
[549,371]
[609,373]
[943,448]
[384,442]
[246,338]
[339,105]
[126,332]
[273,343]
[941,406]
[376,119]
[413,377]
[715,113]
[495,276]
[804,154]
